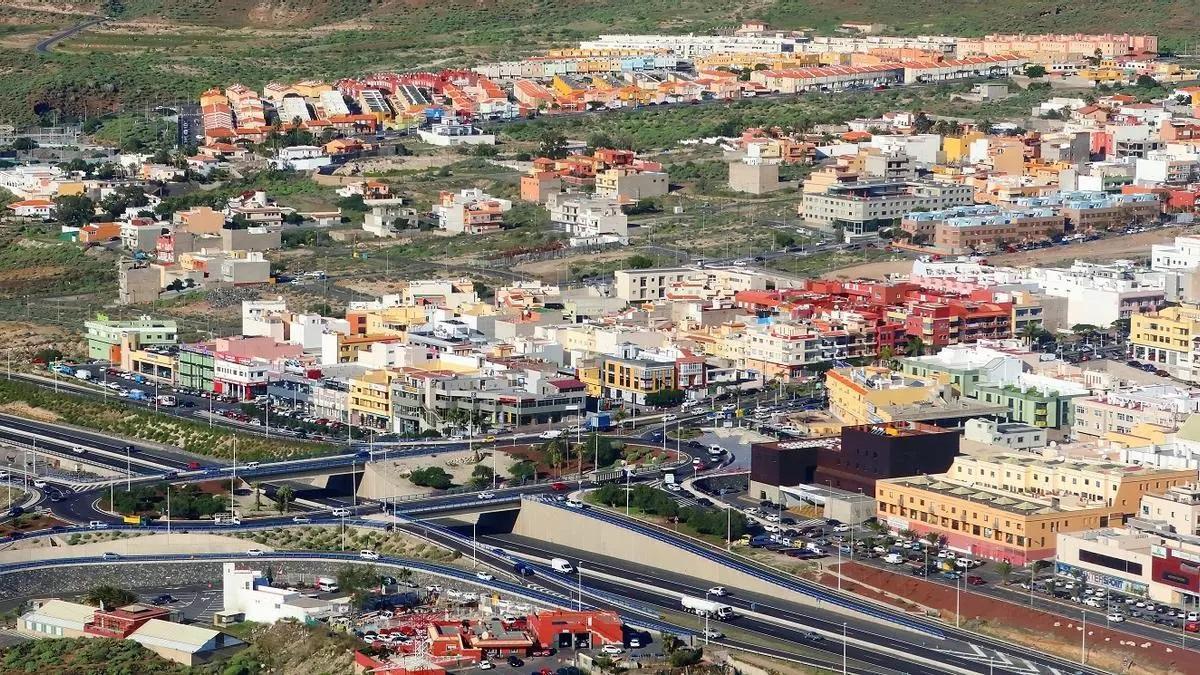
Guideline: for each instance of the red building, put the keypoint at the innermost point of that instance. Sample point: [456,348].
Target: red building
[563,630]
[463,639]
[119,623]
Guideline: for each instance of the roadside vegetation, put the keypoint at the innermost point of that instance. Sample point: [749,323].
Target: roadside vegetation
[711,524]
[321,538]
[128,422]
[98,656]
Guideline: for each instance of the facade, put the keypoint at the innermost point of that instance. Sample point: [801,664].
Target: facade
[982,228]
[862,209]
[1121,411]
[471,211]
[1168,339]
[138,282]
[628,184]
[588,217]
[1011,435]
[107,340]
[1013,507]
[629,379]
[196,367]
[862,455]
[1178,509]
[754,177]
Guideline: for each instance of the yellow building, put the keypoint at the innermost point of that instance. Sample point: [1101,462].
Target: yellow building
[348,346]
[1165,338]
[633,379]
[870,394]
[394,321]
[370,400]
[1011,507]
[957,148]
[565,85]
[591,376]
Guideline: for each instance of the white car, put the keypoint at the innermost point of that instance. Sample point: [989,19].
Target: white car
[39,483]
[368,554]
[718,591]
[611,649]
[486,495]
[300,520]
[341,513]
[670,418]
[771,528]
[484,576]
[841,528]
[574,504]
[486,665]
[254,552]
[674,487]
[772,517]
[1115,617]
[713,634]
[109,555]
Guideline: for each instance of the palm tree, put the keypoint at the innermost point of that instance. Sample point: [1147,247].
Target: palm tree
[932,538]
[284,497]
[911,535]
[257,485]
[554,457]
[109,596]
[1004,568]
[1029,331]
[915,346]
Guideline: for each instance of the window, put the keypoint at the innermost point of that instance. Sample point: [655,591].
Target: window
[1110,562]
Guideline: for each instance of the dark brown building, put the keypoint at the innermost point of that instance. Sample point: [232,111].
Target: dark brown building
[853,462]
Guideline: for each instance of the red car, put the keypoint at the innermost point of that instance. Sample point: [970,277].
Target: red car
[975,580]
[193,466]
[558,487]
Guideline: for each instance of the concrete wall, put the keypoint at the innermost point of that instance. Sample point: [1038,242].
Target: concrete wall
[41,549]
[574,530]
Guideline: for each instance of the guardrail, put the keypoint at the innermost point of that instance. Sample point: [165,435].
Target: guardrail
[766,574]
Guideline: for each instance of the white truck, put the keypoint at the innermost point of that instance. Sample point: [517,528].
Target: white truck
[704,607]
[561,565]
[83,374]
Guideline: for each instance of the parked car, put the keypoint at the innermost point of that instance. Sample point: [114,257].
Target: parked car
[975,580]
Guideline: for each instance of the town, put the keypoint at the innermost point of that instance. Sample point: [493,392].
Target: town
[758,350]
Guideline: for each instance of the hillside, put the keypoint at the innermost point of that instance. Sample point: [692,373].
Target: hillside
[172,49]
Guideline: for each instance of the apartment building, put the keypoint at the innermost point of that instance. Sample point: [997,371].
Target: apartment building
[982,228]
[632,379]
[874,395]
[862,209]
[1168,339]
[1012,507]
[653,284]
[1120,412]
[537,186]
[1087,211]
[370,400]
[1075,46]
[754,176]
[471,211]
[629,184]
[828,78]
[588,218]
[1178,508]
[424,400]
[1099,294]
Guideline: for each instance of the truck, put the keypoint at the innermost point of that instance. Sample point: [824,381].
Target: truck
[702,607]
[561,565]
[63,369]
[599,421]
[135,520]
[83,374]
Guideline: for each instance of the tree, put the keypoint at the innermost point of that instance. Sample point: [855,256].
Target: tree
[639,261]
[553,145]
[283,498]
[784,239]
[1146,82]
[24,144]
[434,477]
[665,398]
[1030,331]
[886,355]
[109,596]
[257,486]
[922,124]
[932,538]
[523,471]
[1004,568]
[686,656]
[74,210]
[1035,70]
[358,581]
[1085,329]
[915,346]
[482,476]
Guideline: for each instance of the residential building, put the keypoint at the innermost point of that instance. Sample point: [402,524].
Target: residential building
[632,379]
[1012,507]
[108,340]
[588,218]
[538,186]
[982,228]
[875,394]
[249,593]
[1121,411]
[1012,435]
[138,282]
[471,211]
[862,209]
[370,400]
[755,177]
[1178,508]
[389,217]
[56,619]
[631,184]
[1168,339]
[1099,294]
[1087,211]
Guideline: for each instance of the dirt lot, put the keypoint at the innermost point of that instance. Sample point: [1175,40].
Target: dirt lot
[554,268]
[1131,246]
[26,338]
[1106,648]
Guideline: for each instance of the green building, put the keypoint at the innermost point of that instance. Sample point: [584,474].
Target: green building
[196,367]
[107,340]
[1039,408]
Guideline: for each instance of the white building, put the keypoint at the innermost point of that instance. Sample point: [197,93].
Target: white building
[588,218]
[1099,294]
[452,133]
[246,591]
[292,108]
[302,158]
[1014,435]
[332,104]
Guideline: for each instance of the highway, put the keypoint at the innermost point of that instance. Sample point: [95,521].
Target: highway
[44,46]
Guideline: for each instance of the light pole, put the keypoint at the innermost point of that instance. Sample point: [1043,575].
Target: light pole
[706,613]
[128,469]
[957,600]
[579,582]
[1083,640]
[474,547]
[843,648]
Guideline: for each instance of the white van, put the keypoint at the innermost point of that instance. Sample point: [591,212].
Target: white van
[562,566]
[893,558]
[341,513]
[327,584]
